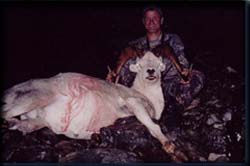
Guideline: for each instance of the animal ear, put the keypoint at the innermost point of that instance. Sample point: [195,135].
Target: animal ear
[135,67]
[162,65]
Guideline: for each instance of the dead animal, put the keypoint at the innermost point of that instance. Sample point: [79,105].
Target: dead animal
[78,105]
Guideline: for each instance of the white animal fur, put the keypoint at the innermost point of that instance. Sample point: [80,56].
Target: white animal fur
[151,88]
[77,105]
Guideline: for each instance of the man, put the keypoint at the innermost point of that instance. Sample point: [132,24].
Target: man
[178,80]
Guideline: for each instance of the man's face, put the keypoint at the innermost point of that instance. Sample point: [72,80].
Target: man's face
[152,21]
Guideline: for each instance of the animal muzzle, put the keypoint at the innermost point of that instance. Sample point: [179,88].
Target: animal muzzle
[151,74]
[151,77]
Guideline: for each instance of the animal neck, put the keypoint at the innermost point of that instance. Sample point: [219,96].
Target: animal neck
[153,92]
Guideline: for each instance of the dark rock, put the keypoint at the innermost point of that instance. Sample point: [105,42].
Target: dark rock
[101,155]
[130,134]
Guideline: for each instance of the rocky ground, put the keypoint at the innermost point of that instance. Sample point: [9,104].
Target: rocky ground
[214,131]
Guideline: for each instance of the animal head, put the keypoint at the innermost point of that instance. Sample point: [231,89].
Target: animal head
[148,68]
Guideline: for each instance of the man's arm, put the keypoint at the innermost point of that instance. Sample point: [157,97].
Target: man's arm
[178,48]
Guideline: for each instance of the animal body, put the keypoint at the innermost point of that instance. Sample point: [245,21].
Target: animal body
[78,105]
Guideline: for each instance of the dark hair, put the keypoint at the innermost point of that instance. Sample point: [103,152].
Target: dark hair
[152,8]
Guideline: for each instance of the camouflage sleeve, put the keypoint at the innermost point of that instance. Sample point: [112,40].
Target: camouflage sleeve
[178,47]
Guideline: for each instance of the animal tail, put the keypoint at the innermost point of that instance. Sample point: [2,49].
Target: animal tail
[25,97]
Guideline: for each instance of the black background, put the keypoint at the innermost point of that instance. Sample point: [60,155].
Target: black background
[45,38]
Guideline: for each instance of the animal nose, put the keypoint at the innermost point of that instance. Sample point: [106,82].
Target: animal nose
[151,71]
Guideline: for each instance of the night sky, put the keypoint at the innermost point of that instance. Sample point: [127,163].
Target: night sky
[42,39]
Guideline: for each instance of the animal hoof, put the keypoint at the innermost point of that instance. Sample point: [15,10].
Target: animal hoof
[175,154]
[169,147]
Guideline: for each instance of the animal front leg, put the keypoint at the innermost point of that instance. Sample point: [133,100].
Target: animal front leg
[25,126]
[142,115]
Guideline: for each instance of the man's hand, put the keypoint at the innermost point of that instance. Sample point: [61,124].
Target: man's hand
[186,75]
[185,72]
